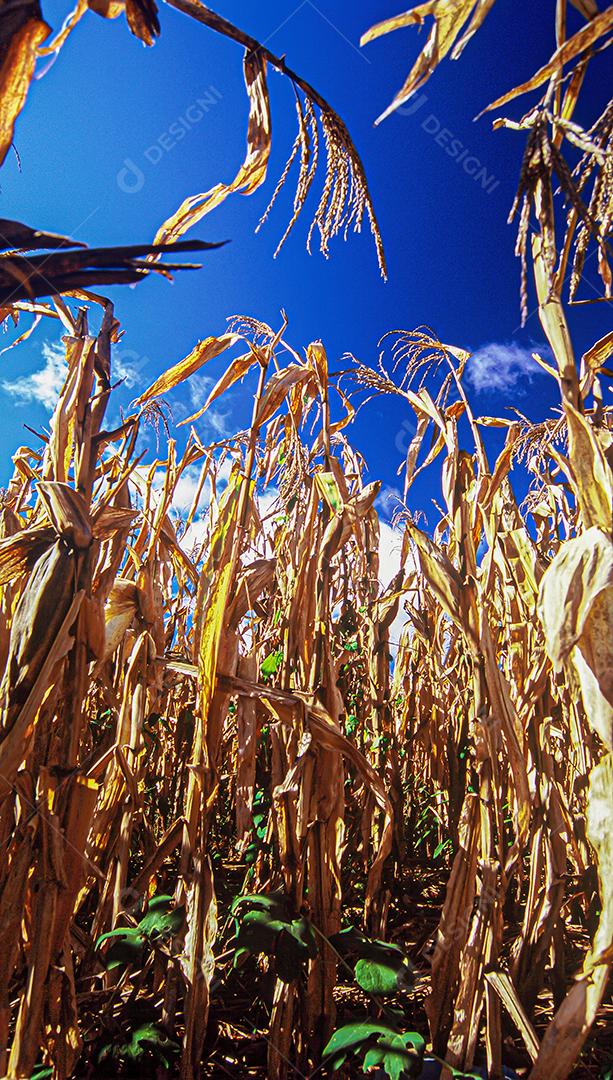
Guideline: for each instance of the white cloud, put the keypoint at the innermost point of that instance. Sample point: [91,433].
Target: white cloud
[268,502]
[390,550]
[500,366]
[198,530]
[213,420]
[127,366]
[42,386]
[185,491]
[388,501]
[186,487]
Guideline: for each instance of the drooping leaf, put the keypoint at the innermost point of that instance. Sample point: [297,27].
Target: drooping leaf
[236,370]
[148,1039]
[567,51]
[203,352]
[251,174]
[449,16]
[258,931]
[576,609]
[22,30]
[290,954]
[127,946]
[274,903]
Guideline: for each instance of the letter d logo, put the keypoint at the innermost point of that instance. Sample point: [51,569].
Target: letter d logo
[412,105]
[130,179]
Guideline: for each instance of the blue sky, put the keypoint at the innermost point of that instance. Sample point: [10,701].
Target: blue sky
[108,100]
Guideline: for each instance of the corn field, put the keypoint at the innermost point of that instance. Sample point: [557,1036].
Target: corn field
[242,831]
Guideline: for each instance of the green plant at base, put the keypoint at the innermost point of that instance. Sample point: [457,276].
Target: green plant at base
[147,1040]
[129,942]
[399,1056]
[268,928]
[381,968]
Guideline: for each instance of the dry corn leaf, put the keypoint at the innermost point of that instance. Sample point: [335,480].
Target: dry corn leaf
[597,356]
[252,172]
[197,961]
[567,1032]
[482,8]
[108,9]
[236,370]
[593,477]
[599,831]
[503,985]
[442,576]
[279,385]
[21,32]
[143,19]
[345,197]
[121,608]
[107,520]
[40,612]
[45,654]
[23,277]
[15,235]
[588,8]
[67,511]
[449,16]
[569,50]
[203,352]
[575,607]
[18,553]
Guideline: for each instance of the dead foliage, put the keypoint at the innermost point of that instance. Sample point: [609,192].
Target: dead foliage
[198,709]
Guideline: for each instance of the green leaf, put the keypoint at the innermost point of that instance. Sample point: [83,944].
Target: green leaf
[267,927]
[147,1039]
[399,1055]
[161,919]
[260,824]
[127,944]
[240,955]
[42,1072]
[295,945]
[349,1038]
[258,932]
[377,978]
[382,968]
[392,1054]
[444,844]
[274,902]
[271,664]
[289,955]
[251,852]
[303,930]
[351,724]
[348,940]
[121,932]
